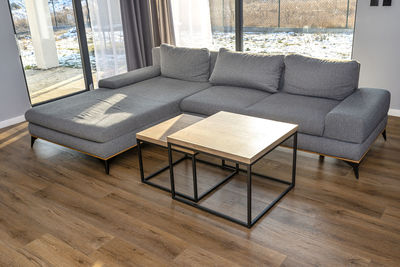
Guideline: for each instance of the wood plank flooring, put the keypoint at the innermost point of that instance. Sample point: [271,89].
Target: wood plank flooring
[59,208]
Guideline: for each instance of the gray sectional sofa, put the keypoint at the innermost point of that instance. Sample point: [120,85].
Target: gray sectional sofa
[335,117]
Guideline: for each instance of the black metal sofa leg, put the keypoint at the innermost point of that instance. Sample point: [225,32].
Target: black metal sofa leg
[106,161]
[107,166]
[355,167]
[33,139]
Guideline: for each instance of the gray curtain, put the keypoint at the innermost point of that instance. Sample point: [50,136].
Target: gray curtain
[162,24]
[146,23]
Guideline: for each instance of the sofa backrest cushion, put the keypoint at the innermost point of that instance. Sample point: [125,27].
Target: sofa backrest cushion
[188,64]
[156,58]
[320,78]
[155,54]
[213,59]
[247,70]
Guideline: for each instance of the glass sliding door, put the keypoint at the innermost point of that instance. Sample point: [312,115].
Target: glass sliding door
[322,28]
[50,49]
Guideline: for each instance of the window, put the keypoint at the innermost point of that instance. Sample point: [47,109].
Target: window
[223,24]
[67,45]
[318,28]
[49,48]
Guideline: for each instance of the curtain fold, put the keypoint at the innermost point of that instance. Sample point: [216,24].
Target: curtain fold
[138,38]
[192,23]
[146,23]
[163,26]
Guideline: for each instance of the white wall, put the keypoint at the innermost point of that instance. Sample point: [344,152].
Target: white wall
[377,47]
[14,99]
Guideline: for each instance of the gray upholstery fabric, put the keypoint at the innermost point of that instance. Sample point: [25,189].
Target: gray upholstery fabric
[357,116]
[98,117]
[255,71]
[156,56]
[103,115]
[338,148]
[165,90]
[104,122]
[189,64]
[102,150]
[226,98]
[213,60]
[308,112]
[320,78]
[130,77]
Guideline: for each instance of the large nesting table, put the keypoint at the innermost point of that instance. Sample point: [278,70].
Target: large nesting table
[240,139]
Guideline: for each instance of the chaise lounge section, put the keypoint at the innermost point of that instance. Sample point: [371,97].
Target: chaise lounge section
[103,123]
[335,117]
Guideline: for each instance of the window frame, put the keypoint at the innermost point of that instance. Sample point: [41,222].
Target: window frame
[83,48]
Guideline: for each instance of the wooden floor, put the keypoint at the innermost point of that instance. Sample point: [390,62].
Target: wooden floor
[58,208]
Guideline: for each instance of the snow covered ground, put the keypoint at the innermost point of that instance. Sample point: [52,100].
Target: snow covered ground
[67,49]
[320,45]
[19,11]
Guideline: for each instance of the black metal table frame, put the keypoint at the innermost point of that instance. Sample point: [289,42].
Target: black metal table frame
[196,196]
[250,221]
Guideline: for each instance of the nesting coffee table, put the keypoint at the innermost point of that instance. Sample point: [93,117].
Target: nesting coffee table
[239,139]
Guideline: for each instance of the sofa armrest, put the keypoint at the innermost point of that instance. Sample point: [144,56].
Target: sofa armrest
[130,77]
[357,116]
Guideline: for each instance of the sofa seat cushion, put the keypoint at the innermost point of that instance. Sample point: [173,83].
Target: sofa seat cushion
[222,98]
[308,112]
[320,78]
[255,71]
[102,115]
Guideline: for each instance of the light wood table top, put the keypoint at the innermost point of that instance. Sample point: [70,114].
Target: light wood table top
[233,136]
[157,134]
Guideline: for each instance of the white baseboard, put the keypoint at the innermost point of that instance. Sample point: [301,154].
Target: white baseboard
[394,112]
[12,121]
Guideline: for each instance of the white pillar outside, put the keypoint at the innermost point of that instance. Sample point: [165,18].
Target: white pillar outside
[42,33]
